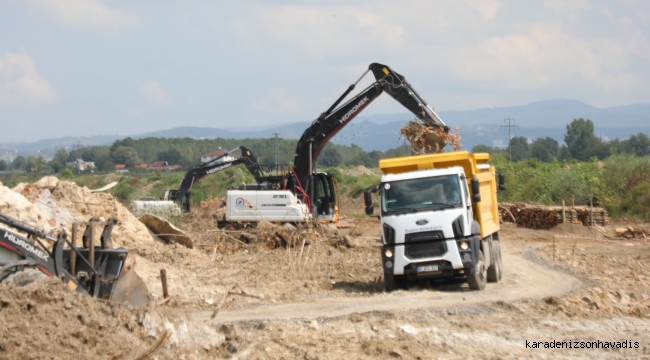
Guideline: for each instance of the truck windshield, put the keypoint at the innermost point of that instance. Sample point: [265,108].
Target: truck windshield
[420,194]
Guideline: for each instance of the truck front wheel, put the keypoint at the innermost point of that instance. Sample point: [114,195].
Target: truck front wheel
[391,283]
[477,278]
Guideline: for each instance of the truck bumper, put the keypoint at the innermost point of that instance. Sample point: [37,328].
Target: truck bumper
[452,262]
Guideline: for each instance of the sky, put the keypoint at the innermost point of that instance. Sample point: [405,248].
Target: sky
[92,67]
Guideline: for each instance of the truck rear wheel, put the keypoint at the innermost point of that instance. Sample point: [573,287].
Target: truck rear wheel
[24,277]
[494,271]
[477,279]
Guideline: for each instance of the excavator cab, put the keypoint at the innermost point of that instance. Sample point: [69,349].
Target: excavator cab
[326,199]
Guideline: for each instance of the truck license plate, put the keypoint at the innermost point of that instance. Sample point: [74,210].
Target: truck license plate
[426,268]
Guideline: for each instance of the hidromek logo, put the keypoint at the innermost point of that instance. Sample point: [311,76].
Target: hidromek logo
[353,110]
[27,246]
[225,166]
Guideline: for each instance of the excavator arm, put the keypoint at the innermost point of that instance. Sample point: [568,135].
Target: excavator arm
[330,122]
[182,195]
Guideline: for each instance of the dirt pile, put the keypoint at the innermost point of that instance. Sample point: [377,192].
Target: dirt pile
[45,320]
[16,206]
[64,202]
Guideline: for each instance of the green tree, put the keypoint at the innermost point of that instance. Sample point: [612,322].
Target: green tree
[579,138]
[482,148]
[36,164]
[172,156]
[61,156]
[3,165]
[545,149]
[126,155]
[638,145]
[66,174]
[19,163]
[638,200]
[330,157]
[56,165]
[519,145]
[404,150]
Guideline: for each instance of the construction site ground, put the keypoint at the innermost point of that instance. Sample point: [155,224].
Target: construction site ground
[324,299]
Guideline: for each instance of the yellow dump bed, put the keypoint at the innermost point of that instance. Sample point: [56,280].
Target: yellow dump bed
[475,165]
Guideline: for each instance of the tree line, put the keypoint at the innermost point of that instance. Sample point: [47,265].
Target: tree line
[580,144]
[187,152]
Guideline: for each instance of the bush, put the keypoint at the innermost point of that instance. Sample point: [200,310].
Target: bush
[123,191]
[66,174]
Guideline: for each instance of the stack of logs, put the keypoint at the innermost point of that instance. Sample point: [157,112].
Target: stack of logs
[632,232]
[546,217]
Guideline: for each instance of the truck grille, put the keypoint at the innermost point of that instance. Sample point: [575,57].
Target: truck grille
[425,244]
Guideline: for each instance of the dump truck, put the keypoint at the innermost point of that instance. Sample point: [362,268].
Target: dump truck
[99,271]
[439,218]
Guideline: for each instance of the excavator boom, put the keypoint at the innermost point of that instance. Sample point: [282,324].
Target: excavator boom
[333,120]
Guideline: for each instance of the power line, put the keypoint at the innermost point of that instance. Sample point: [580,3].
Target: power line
[510,127]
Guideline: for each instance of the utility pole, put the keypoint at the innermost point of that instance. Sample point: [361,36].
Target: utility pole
[510,127]
[277,151]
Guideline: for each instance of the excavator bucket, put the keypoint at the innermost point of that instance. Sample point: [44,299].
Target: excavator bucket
[130,289]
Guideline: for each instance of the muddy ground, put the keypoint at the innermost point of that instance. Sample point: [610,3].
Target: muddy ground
[325,300]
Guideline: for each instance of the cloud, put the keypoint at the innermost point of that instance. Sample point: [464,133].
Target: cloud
[153,91]
[83,13]
[317,32]
[543,57]
[20,82]
[276,102]
[487,8]
[563,5]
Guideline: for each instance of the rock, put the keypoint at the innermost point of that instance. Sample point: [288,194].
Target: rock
[313,325]
[16,206]
[248,238]
[265,226]
[166,230]
[232,348]
[623,298]
[350,242]
[289,227]
[231,331]
[49,182]
[396,353]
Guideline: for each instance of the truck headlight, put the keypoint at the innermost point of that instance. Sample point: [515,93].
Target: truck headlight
[464,245]
[388,253]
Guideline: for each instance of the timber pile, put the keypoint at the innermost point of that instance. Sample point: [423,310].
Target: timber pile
[528,216]
[632,232]
[545,217]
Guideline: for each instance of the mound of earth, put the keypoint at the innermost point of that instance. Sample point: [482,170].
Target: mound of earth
[68,203]
[574,229]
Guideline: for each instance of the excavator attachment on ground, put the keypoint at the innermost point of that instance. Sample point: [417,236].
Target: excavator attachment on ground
[99,271]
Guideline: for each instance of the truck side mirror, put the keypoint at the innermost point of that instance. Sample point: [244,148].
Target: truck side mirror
[502,181]
[476,194]
[367,198]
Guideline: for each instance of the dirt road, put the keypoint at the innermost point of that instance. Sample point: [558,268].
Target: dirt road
[524,280]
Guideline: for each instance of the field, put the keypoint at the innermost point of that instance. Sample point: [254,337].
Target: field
[319,295]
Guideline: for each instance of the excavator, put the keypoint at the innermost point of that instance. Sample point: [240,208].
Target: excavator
[99,271]
[182,194]
[307,192]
